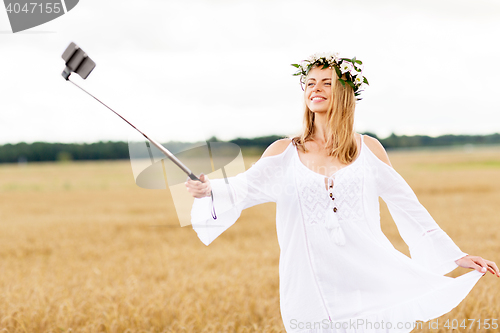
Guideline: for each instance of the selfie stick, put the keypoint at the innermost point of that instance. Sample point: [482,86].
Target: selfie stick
[79,62]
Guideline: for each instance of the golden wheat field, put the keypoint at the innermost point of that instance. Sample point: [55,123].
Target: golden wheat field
[84,249]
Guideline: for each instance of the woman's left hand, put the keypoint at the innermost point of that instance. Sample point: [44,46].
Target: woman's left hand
[479,264]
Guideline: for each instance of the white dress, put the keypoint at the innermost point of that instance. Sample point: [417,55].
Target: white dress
[338,271]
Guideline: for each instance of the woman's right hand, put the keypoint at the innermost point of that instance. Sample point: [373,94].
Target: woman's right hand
[199,189]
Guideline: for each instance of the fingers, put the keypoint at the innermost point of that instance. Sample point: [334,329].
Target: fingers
[481,265]
[199,189]
[474,262]
[493,267]
[198,192]
[479,268]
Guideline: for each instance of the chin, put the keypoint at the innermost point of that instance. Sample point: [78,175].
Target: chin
[318,110]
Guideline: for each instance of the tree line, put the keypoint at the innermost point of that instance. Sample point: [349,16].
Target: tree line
[111,150]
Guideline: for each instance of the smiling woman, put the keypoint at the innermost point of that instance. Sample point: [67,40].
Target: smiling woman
[329,115]
[337,268]
[317,101]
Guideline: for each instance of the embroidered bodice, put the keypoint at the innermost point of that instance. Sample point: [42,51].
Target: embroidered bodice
[331,201]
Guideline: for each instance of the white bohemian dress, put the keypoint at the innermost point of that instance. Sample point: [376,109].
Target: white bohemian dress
[338,271]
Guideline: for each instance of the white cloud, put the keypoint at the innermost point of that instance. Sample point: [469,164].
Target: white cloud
[189,70]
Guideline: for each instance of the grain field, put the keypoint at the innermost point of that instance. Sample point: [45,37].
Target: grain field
[84,249]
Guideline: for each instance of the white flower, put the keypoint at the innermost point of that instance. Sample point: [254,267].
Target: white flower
[334,56]
[346,66]
[314,57]
[358,80]
[328,56]
[359,66]
[303,65]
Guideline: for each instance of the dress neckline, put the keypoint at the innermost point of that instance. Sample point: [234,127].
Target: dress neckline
[335,173]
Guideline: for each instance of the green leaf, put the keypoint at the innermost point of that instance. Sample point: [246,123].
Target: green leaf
[351,84]
[359,62]
[296,65]
[365,80]
[346,59]
[337,70]
[325,66]
[342,81]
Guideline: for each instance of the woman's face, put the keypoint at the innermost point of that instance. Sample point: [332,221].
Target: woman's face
[318,89]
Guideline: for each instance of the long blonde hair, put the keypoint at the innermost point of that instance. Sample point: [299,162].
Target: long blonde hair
[341,142]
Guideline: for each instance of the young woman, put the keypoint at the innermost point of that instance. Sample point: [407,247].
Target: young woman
[338,271]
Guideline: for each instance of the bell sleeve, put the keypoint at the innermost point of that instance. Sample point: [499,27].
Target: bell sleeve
[429,245]
[257,185]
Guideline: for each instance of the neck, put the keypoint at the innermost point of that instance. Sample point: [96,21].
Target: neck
[320,125]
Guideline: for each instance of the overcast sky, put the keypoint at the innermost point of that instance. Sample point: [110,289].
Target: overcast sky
[188,70]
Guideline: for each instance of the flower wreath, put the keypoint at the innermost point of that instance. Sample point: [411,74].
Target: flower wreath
[351,68]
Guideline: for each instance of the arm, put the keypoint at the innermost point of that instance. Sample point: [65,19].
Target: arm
[233,194]
[429,245]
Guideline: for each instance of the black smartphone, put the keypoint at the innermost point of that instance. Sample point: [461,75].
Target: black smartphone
[77,61]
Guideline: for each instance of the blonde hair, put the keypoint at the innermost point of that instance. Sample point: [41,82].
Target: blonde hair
[341,142]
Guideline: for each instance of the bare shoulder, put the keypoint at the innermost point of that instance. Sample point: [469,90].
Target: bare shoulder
[377,149]
[276,148]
